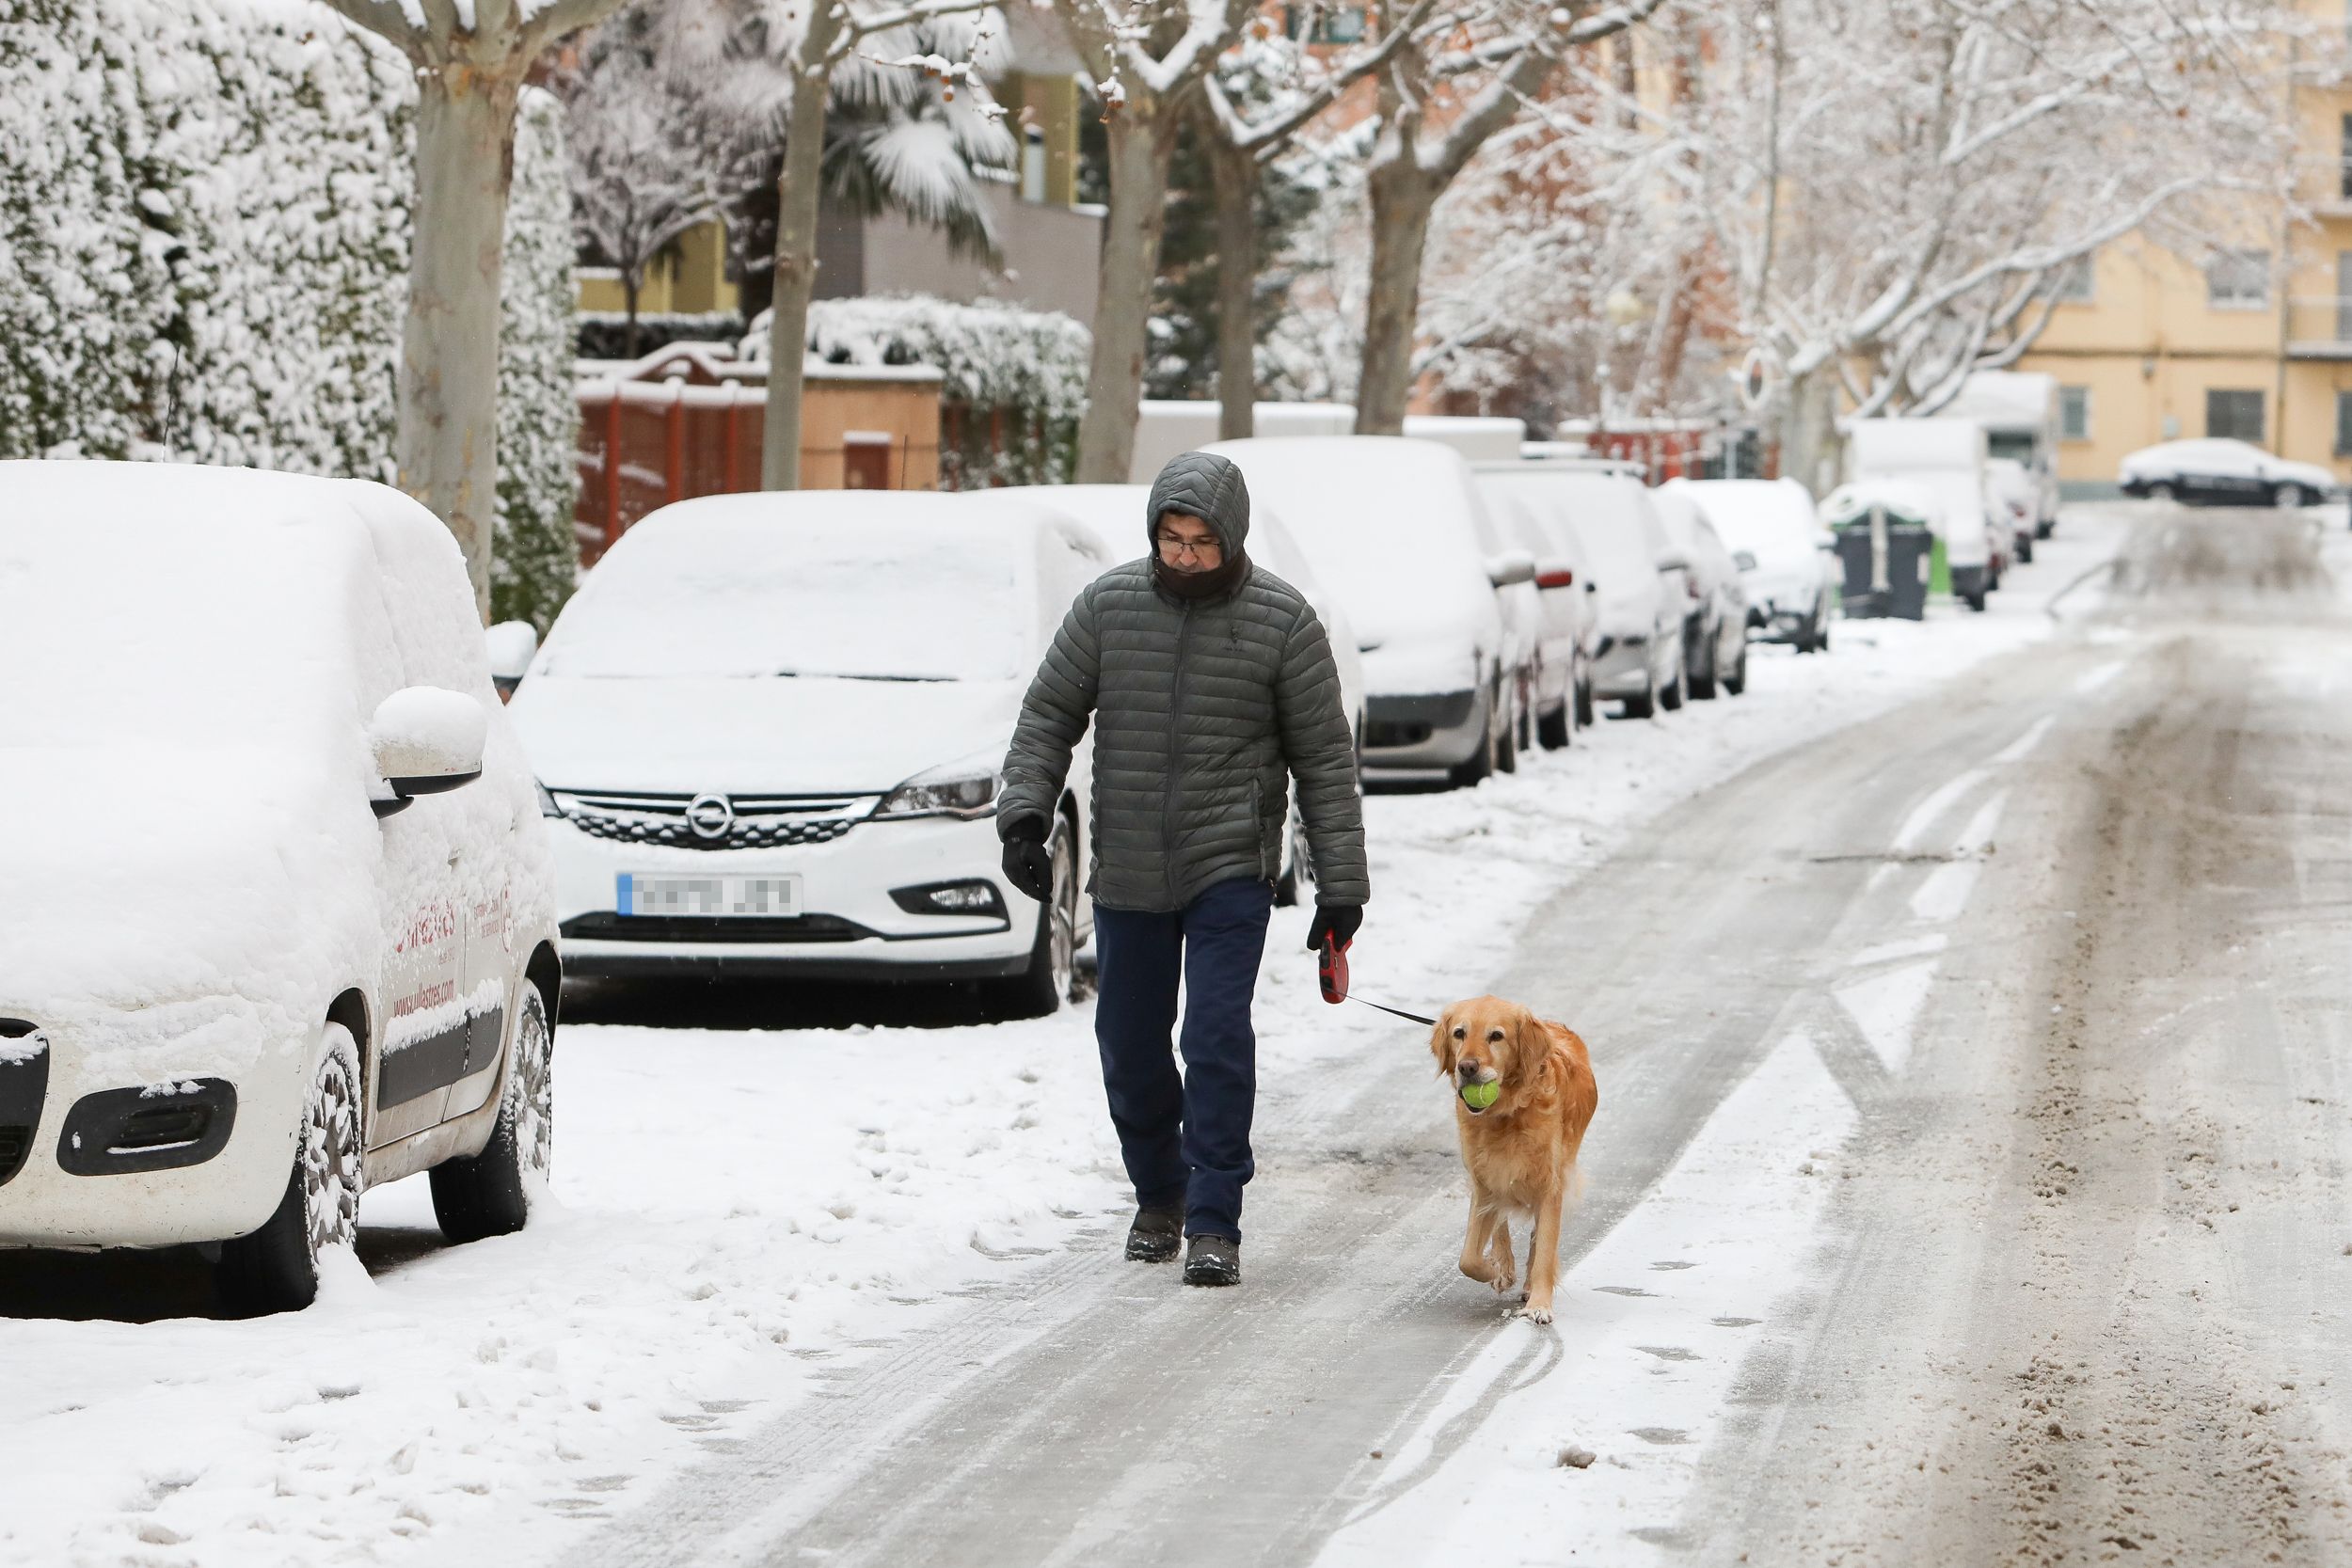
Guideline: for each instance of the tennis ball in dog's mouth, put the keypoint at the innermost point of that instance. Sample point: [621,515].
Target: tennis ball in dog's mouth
[1478,1095]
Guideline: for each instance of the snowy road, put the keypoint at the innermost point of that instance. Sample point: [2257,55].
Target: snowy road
[1951,996]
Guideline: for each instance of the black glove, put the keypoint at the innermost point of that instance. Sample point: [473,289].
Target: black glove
[1336,924]
[1027,866]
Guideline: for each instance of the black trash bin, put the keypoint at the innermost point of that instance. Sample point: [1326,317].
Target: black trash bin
[1887,555]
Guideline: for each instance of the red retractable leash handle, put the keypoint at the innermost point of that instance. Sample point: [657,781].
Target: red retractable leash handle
[1331,969]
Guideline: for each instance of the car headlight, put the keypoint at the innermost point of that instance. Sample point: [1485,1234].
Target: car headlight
[546,802]
[963,789]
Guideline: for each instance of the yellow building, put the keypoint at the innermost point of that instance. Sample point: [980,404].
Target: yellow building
[2255,343]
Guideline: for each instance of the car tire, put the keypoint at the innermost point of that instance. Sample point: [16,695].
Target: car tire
[2045,527]
[1670,697]
[1737,682]
[1045,986]
[1554,729]
[1586,709]
[2160,491]
[2025,550]
[2290,497]
[1975,600]
[1701,686]
[1506,757]
[490,1193]
[277,1268]
[1820,634]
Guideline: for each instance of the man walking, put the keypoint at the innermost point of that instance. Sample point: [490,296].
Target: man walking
[1211,686]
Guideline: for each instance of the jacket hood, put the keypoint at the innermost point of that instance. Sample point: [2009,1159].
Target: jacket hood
[1204,485]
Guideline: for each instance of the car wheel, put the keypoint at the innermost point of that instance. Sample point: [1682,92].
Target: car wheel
[1737,682]
[1975,600]
[1045,985]
[491,1193]
[1702,684]
[2160,491]
[2045,527]
[1585,714]
[2024,549]
[1554,729]
[2289,498]
[1670,697]
[277,1268]
[1820,634]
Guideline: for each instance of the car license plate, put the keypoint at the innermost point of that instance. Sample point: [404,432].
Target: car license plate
[721,896]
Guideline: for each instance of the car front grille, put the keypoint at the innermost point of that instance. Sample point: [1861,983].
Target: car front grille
[755,821]
[689,927]
[15,1143]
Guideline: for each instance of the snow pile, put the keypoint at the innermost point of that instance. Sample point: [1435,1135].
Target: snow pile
[203,243]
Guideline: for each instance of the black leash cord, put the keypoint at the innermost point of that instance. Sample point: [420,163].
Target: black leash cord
[1397,1012]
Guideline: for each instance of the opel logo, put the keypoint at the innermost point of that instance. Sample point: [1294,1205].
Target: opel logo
[710,816]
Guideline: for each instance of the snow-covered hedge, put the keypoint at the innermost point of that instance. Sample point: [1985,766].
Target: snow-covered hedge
[1030,365]
[203,245]
[604,334]
[538,555]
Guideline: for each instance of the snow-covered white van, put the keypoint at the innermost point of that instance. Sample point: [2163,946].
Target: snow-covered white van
[275,903]
[1948,459]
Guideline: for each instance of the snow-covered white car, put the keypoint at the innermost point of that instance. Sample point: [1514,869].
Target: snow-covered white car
[770,729]
[2218,472]
[2017,497]
[1519,501]
[1115,515]
[1640,583]
[276,902]
[1947,458]
[1787,559]
[1718,655]
[1393,525]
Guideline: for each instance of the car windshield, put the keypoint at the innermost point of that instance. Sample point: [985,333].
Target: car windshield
[1603,512]
[2015,445]
[220,634]
[692,598]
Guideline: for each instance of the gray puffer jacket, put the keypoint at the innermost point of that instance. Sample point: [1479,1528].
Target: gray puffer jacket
[1204,712]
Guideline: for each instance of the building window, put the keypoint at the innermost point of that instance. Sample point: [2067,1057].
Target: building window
[2344,424]
[2343,173]
[1324,23]
[2074,282]
[2238,281]
[2074,413]
[2235,412]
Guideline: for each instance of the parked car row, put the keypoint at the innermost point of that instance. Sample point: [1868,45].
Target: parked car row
[310,928]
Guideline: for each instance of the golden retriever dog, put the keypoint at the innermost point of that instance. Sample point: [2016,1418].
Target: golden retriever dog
[1521,1149]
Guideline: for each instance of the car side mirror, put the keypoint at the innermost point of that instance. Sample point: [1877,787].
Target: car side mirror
[511,645]
[1555,576]
[1510,568]
[426,740]
[1744,560]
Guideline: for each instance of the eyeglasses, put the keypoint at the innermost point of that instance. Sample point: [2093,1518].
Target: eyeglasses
[1203,550]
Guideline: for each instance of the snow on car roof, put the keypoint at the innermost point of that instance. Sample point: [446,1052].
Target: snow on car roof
[2214,453]
[863,585]
[1388,522]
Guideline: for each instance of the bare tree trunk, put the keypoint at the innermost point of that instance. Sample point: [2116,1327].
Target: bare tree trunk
[1809,450]
[1402,197]
[1140,145]
[1233,177]
[449,349]
[631,282]
[799,196]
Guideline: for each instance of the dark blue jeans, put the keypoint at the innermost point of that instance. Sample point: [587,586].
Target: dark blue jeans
[1185,1140]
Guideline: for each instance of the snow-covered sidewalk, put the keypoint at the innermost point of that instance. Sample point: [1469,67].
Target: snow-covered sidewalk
[739,1208]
